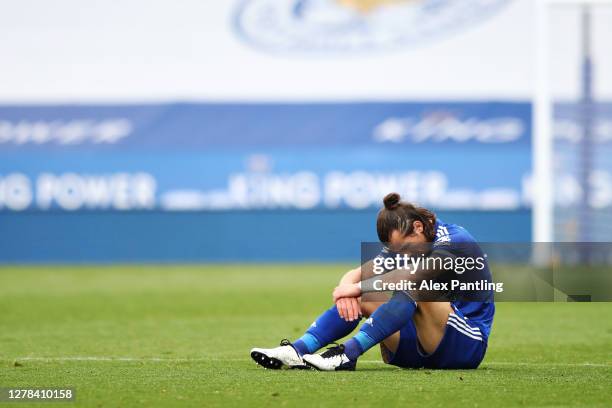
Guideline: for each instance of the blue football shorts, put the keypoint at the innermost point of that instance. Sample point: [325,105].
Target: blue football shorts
[463,346]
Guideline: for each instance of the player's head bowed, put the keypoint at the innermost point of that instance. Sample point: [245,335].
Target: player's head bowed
[400,222]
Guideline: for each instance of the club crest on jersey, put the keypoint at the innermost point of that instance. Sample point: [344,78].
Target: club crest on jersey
[354,25]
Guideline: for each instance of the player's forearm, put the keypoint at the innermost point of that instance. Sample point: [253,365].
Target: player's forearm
[358,274]
[381,282]
[409,273]
[352,276]
[376,283]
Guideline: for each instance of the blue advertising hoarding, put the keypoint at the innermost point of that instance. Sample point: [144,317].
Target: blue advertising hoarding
[264,156]
[174,182]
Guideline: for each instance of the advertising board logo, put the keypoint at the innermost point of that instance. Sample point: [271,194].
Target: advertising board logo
[439,127]
[354,25]
[64,132]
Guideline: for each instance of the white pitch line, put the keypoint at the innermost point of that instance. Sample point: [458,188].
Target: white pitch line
[179,360]
[519,363]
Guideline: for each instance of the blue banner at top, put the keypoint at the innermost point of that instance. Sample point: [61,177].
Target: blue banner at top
[206,127]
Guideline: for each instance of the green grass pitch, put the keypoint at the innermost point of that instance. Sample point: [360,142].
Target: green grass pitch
[180,336]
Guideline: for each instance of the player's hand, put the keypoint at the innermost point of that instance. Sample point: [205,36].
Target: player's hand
[348,308]
[347,290]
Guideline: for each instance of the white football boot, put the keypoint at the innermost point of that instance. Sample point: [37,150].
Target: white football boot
[333,359]
[275,358]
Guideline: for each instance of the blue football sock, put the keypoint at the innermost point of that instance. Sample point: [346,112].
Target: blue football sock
[327,328]
[385,321]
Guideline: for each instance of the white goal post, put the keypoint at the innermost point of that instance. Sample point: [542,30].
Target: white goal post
[542,189]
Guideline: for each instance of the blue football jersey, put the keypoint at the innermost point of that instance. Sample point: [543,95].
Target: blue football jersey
[477,313]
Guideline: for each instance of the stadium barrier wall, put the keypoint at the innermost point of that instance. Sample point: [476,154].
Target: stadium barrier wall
[225,236]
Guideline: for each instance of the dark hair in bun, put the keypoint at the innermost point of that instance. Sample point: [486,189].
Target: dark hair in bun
[400,216]
[391,201]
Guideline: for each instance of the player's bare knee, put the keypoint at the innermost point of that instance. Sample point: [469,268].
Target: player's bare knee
[367,308]
[431,317]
